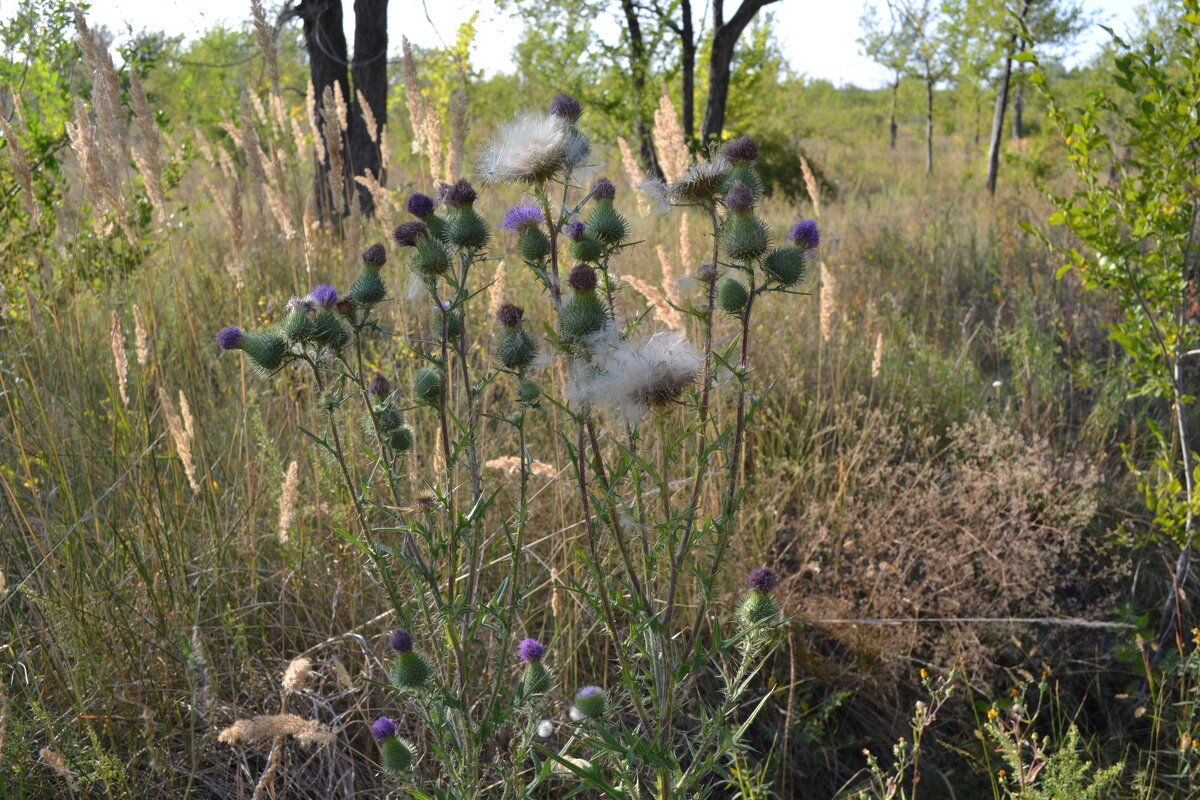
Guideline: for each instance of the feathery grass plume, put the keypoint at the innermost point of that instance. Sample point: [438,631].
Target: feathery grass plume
[511,465]
[331,133]
[105,98]
[185,413]
[368,116]
[116,341]
[311,225]
[296,676]
[265,36]
[204,146]
[635,377]
[685,244]
[56,762]
[663,311]
[180,437]
[98,179]
[458,132]
[828,302]
[310,104]
[232,213]
[227,167]
[307,732]
[496,290]
[810,186]
[427,129]
[877,356]
[384,203]
[633,173]
[288,496]
[669,283]
[339,103]
[669,139]
[147,147]
[141,338]
[20,166]
[530,149]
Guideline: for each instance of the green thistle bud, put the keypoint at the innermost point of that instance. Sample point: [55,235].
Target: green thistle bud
[330,330]
[516,349]
[465,229]
[533,245]
[368,288]
[582,316]
[592,702]
[298,326]
[396,756]
[427,386]
[785,266]
[437,226]
[266,350]
[744,237]
[401,439]
[389,419]
[758,608]
[587,250]
[606,225]
[747,173]
[536,679]
[430,257]
[528,392]
[732,296]
[454,326]
[410,670]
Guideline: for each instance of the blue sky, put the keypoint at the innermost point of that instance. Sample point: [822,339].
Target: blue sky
[818,36]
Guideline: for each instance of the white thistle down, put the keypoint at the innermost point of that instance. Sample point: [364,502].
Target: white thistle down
[634,377]
[529,149]
[545,729]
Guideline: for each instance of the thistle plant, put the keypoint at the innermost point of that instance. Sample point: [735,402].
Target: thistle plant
[480,689]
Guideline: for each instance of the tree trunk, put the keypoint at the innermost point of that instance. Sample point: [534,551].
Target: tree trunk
[1018,124]
[370,83]
[720,65]
[687,47]
[637,70]
[1001,107]
[928,124]
[892,120]
[325,40]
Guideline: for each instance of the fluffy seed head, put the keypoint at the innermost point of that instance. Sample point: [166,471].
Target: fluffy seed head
[401,641]
[408,234]
[531,650]
[460,194]
[761,580]
[566,107]
[603,189]
[545,729]
[702,182]
[575,230]
[420,205]
[375,255]
[635,377]
[324,295]
[230,338]
[530,149]
[379,386]
[806,234]
[523,216]
[383,728]
[345,306]
[510,315]
[582,278]
[739,199]
[742,150]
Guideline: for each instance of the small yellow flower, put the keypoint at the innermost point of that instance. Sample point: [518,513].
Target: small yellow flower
[1001,773]
[924,674]
[993,713]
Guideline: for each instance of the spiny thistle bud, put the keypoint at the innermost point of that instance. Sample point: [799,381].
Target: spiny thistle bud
[324,295]
[427,386]
[230,338]
[591,702]
[420,205]
[574,230]
[587,250]
[408,234]
[459,195]
[566,107]
[739,199]
[582,278]
[742,150]
[410,670]
[523,216]
[368,288]
[401,439]
[389,419]
[431,259]
[744,237]
[375,256]
[582,316]
[266,350]
[805,234]
[379,386]
[424,503]
[531,650]
[516,349]
[452,323]
[785,266]
[465,229]
[298,324]
[396,756]
[383,728]
[536,679]
[761,580]
[732,296]
[606,225]
[533,245]
[510,315]
[331,330]
[603,189]
[759,607]
[528,392]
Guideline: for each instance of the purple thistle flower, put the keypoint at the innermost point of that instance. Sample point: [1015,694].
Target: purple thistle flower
[582,278]
[379,386]
[531,650]
[407,234]
[603,189]
[420,205]
[566,107]
[574,230]
[510,316]
[742,150]
[383,728]
[375,255]
[523,216]
[459,195]
[401,641]
[230,338]
[588,692]
[739,199]
[805,234]
[762,580]
[324,295]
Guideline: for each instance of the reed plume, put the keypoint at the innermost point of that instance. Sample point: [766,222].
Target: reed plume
[141,339]
[633,174]
[663,311]
[669,140]
[288,496]
[116,341]
[20,167]
[828,301]
[810,186]
[180,436]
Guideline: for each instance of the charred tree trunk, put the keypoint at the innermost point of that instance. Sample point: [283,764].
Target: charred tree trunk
[1001,106]
[928,123]
[892,129]
[1018,125]
[637,71]
[687,55]
[370,83]
[720,67]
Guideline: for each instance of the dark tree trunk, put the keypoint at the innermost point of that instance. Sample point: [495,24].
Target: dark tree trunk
[687,53]
[720,67]
[1002,106]
[325,39]
[1018,126]
[370,84]
[637,70]
[928,124]
[892,120]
